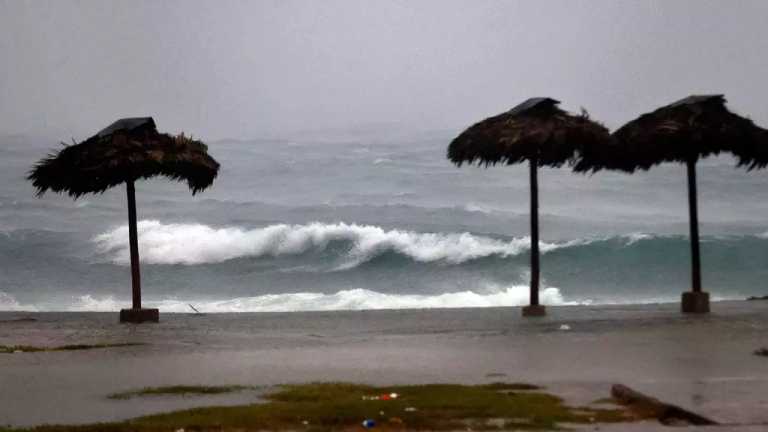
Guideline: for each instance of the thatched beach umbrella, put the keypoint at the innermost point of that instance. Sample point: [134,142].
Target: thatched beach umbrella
[536,131]
[684,132]
[128,150]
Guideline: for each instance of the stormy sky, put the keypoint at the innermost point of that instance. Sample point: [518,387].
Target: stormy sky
[247,69]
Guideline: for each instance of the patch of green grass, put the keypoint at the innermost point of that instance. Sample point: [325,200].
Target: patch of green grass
[342,406]
[179,391]
[10,349]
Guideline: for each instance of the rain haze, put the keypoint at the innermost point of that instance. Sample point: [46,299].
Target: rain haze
[235,69]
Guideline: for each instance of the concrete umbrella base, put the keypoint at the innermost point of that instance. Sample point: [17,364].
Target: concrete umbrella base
[695,302]
[534,311]
[138,316]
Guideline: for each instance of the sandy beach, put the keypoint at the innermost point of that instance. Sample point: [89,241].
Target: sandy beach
[702,363]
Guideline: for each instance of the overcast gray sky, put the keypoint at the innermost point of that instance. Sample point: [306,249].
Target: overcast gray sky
[249,69]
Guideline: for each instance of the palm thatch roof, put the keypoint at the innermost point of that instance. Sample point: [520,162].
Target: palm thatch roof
[127,150]
[537,129]
[691,128]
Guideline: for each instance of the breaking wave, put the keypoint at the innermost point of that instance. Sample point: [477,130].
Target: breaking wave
[192,244]
[362,299]
[286,267]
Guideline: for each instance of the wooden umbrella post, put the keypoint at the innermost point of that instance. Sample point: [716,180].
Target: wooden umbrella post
[531,131]
[135,314]
[534,309]
[133,242]
[696,300]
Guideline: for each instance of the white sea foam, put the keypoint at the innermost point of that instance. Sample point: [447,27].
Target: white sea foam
[633,238]
[354,299]
[89,303]
[9,303]
[199,244]
[477,208]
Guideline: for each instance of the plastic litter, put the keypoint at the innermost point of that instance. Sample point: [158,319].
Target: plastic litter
[386,396]
[369,423]
[397,420]
[381,413]
[565,327]
[410,409]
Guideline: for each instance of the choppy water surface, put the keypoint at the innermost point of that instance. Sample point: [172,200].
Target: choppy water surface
[376,220]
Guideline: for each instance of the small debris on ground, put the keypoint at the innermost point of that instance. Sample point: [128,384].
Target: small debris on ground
[565,327]
[197,312]
[382,397]
[763,352]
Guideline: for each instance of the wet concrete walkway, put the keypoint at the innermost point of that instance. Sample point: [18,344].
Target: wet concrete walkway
[704,364]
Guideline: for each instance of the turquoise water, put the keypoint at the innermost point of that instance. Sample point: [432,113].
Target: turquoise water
[376,220]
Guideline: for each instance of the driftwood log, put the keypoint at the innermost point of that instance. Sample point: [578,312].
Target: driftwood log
[666,413]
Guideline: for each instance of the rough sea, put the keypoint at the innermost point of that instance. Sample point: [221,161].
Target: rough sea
[375,219]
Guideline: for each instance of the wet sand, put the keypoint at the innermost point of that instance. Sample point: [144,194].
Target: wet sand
[702,363]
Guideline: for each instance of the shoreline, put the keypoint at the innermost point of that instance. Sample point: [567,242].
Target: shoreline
[565,304]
